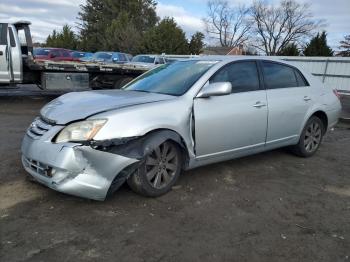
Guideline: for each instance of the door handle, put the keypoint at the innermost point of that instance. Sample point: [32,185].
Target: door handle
[1,52]
[306,98]
[259,104]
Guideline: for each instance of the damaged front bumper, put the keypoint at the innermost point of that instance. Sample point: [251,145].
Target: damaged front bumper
[72,168]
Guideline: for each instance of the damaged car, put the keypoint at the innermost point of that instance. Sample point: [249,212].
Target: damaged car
[176,117]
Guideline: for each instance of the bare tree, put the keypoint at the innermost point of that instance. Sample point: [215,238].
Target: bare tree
[230,26]
[277,26]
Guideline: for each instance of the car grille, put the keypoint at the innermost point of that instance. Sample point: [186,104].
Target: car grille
[38,128]
[37,167]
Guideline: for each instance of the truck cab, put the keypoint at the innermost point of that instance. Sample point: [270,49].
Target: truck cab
[15,47]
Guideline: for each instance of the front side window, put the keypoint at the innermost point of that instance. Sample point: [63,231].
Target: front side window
[243,76]
[171,79]
[278,76]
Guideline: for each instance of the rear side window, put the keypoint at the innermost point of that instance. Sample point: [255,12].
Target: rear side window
[278,76]
[300,78]
[242,75]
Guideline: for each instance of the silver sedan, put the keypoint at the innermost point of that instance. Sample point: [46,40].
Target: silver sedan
[176,117]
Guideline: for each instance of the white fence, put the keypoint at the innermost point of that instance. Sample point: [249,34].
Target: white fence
[333,71]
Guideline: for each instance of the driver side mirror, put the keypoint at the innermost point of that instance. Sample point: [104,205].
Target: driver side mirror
[215,89]
[51,55]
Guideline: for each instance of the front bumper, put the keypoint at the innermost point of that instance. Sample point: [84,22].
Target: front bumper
[72,168]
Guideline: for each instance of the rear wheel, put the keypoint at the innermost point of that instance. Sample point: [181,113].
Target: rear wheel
[311,138]
[158,172]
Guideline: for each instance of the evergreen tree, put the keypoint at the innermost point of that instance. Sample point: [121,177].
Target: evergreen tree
[167,37]
[100,18]
[345,46]
[63,39]
[318,46]
[196,43]
[290,50]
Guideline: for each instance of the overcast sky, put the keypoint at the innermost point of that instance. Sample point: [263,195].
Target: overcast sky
[47,15]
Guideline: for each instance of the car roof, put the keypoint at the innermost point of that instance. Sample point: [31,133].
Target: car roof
[229,58]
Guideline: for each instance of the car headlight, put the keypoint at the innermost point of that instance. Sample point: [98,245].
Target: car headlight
[80,131]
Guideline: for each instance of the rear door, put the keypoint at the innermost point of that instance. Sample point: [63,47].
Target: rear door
[234,123]
[289,99]
[4,55]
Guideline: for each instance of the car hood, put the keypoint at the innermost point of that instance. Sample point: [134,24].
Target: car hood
[80,105]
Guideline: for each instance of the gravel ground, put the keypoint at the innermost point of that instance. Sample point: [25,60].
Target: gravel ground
[267,207]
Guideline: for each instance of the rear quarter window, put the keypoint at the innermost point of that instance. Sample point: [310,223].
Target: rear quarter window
[300,78]
[279,75]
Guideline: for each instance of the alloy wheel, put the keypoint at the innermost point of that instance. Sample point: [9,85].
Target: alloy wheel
[161,165]
[313,136]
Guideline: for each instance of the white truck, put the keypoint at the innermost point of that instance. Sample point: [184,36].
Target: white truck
[18,66]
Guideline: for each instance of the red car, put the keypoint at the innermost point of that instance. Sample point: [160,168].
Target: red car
[53,54]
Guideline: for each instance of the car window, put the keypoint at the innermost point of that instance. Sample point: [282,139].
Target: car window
[3,34]
[243,76]
[12,38]
[300,78]
[143,59]
[278,75]
[122,57]
[172,79]
[55,53]
[65,54]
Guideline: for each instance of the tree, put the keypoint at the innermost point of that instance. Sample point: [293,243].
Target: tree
[345,44]
[318,46]
[278,26]
[196,44]
[99,19]
[63,39]
[230,26]
[290,50]
[166,37]
[122,35]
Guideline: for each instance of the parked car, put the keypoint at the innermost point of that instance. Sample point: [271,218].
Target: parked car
[53,54]
[149,61]
[81,56]
[176,117]
[110,57]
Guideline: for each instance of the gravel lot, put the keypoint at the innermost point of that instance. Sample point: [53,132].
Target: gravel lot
[267,207]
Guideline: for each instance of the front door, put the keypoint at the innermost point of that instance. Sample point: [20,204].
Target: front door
[4,56]
[230,124]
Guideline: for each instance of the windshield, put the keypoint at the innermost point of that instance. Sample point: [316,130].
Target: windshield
[171,79]
[103,56]
[41,51]
[143,59]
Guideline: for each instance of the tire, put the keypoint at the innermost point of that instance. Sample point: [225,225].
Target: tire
[311,138]
[158,172]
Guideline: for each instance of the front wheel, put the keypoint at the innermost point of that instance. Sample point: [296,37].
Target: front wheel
[158,172]
[311,138]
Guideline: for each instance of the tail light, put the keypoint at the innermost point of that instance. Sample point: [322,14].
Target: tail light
[336,93]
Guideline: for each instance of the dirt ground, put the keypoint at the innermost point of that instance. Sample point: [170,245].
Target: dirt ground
[267,207]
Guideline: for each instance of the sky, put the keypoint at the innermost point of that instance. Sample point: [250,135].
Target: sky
[47,15]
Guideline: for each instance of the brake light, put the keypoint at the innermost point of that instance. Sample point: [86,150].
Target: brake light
[336,93]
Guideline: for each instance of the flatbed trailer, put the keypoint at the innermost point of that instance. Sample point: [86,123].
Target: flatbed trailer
[18,66]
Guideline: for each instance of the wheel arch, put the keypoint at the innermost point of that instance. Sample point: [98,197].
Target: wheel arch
[323,117]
